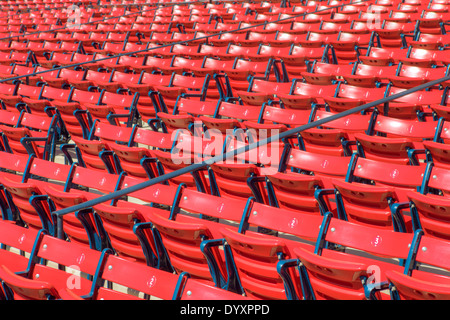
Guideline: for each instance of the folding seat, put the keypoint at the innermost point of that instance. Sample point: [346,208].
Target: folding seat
[348,96]
[425,57]
[73,112]
[429,204]
[336,137]
[9,119]
[296,61]
[186,64]
[57,59]
[92,79]
[377,200]
[156,284]
[270,51]
[13,102]
[431,21]
[430,41]
[278,120]
[227,37]
[115,108]
[21,70]
[326,273]
[390,33]
[122,63]
[256,255]
[62,77]
[316,38]
[27,196]
[136,157]
[326,73]
[8,96]
[33,134]
[229,116]
[243,175]
[302,175]
[395,140]
[366,75]
[94,151]
[13,166]
[263,37]
[148,64]
[383,56]
[186,112]
[344,46]
[82,184]
[419,101]
[417,281]
[409,76]
[194,289]
[182,235]
[305,95]
[119,80]
[147,82]
[86,61]
[122,222]
[188,86]
[42,281]
[20,238]
[262,91]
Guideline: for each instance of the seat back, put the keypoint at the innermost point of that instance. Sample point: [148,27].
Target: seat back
[149,282]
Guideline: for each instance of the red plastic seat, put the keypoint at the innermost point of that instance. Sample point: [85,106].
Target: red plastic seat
[33,135]
[42,282]
[186,112]
[326,73]
[157,284]
[383,56]
[182,234]
[333,274]
[28,195]
[349,96]
[256,255]
[229,115]
[401,142]
[366,75]
[261,91]
[409,76]
[305,95]
[18,237]
[380,202]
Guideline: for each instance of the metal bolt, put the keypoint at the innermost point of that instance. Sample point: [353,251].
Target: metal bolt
[44,246]
[333,229]
[255,213]
[189,293]
[185,198]
[434,176]
[110,267]
[424,249]
[37,276]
